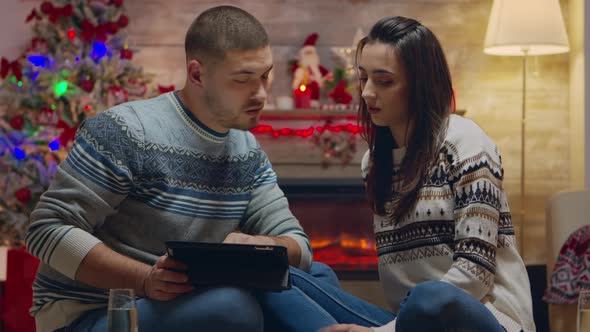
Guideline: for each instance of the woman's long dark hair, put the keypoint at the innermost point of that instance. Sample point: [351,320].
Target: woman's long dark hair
[430,93]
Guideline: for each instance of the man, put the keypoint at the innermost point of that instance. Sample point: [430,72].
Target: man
[169,168]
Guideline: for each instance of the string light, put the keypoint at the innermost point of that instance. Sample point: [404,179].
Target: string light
[54,145]
[38,60]
[98,50]
[19,154]
[71,34]
[60,88]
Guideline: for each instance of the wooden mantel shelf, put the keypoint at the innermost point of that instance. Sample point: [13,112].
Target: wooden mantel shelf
[311,114]
[308,114]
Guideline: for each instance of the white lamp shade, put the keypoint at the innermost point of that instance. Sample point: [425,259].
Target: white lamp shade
[534,26]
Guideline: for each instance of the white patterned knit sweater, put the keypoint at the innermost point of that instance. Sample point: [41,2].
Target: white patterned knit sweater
[459,231]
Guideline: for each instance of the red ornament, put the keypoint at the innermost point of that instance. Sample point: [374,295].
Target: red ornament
[126,54]
[89,31]
[17,122]
[112,28]
[46,7]
[68,134]
[6,66]
[57,12]
[67,10]
[117,3]
[53,18]
[33,16]
[87,85]
[23,195]
[123,21]
[101,33]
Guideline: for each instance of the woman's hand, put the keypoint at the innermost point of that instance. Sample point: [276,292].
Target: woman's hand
[346,328]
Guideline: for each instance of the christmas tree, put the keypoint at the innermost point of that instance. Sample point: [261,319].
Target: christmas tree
[78,63]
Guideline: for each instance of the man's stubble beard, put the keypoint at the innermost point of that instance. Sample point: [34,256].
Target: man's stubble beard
[227,118]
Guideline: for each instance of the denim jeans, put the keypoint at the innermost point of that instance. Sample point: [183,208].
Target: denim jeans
[214,309]
[315,301]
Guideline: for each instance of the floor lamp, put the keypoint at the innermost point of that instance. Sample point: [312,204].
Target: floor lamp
[525,28]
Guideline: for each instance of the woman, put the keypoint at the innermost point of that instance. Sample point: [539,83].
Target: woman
[447,255]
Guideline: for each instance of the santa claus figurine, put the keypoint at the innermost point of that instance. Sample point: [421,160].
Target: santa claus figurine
[308,74]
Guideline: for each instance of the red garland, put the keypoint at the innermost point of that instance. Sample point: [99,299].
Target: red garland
[117,3]
[266,129]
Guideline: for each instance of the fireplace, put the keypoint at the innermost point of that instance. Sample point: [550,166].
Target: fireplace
[338,220]
[336,216]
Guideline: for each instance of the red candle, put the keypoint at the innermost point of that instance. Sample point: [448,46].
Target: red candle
[302,97]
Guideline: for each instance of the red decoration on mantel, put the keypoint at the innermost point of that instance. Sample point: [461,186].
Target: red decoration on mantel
[302,97]
[266,129]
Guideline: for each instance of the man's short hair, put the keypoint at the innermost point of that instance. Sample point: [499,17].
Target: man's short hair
[221,29]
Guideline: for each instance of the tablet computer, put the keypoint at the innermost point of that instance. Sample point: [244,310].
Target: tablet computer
[261,267]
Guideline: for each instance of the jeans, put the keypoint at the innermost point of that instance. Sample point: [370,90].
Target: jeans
[315,301]
[214,309]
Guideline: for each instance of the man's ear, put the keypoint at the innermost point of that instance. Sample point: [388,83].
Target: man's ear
[195,72]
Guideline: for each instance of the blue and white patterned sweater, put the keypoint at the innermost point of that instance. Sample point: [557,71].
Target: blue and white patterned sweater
[138,175]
